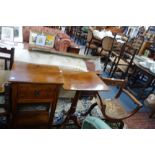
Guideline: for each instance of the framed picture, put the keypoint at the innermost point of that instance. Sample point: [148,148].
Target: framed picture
[40,40]
[7,34]
[33,37]
[50,40]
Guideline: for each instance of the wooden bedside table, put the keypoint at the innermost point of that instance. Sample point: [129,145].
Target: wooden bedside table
[33,84]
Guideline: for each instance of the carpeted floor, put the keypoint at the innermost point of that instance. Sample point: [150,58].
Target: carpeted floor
[140,120]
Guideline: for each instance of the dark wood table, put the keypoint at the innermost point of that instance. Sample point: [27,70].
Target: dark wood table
[81,82]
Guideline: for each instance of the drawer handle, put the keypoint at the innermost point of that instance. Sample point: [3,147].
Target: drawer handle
[36,93]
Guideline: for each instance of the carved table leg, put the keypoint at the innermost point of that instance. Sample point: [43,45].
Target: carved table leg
[72,110]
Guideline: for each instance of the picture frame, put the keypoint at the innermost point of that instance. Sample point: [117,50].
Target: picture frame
[7,34]
[40,40]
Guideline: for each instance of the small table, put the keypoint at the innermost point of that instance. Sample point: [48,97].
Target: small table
[81,82]
[34,84]
[144,72]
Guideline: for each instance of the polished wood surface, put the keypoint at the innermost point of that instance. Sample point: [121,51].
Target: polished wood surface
[33,85]
[35,67]
[83,81]
[33,73]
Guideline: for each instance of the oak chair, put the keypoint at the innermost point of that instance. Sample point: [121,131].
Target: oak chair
[106,49]
[137,43]
[6,58]
[107,44]
[124,62]
[114,56]
[113,109]
[6,62]
[90,42]
[80,34]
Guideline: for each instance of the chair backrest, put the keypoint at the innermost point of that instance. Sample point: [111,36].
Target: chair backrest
[89,35]
[8,57]
[130,54]
[137,43]
[107,43]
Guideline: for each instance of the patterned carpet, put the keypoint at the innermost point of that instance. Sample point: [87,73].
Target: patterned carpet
[140,120]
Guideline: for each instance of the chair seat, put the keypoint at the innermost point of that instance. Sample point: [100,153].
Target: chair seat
[92,46]
[123,67]
[114,109]
[102,52]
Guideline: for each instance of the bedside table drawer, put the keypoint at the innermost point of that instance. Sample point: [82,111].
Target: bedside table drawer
[36,91]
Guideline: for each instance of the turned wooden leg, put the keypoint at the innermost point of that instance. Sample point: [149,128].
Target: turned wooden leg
[152,113]
[89,110]
[85,50]
[70,115]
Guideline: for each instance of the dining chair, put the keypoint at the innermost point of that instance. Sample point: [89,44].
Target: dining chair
[113,109]
[114,56]
[105,50]
[90,42]
[124,62]
[6,62]
[136,43]
[81,34]
[107,45]
[7,58]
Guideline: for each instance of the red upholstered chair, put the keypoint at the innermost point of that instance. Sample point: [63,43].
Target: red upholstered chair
[62,42]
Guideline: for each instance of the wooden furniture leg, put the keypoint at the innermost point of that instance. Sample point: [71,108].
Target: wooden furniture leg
[70,115]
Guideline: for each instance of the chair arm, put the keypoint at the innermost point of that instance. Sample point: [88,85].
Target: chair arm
[139,104]
[62,44]
[113,82]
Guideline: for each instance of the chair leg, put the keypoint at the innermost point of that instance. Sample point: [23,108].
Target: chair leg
[152,113]
[85,50]
[105,65]
[114,70]
[121,125]
[89,110]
